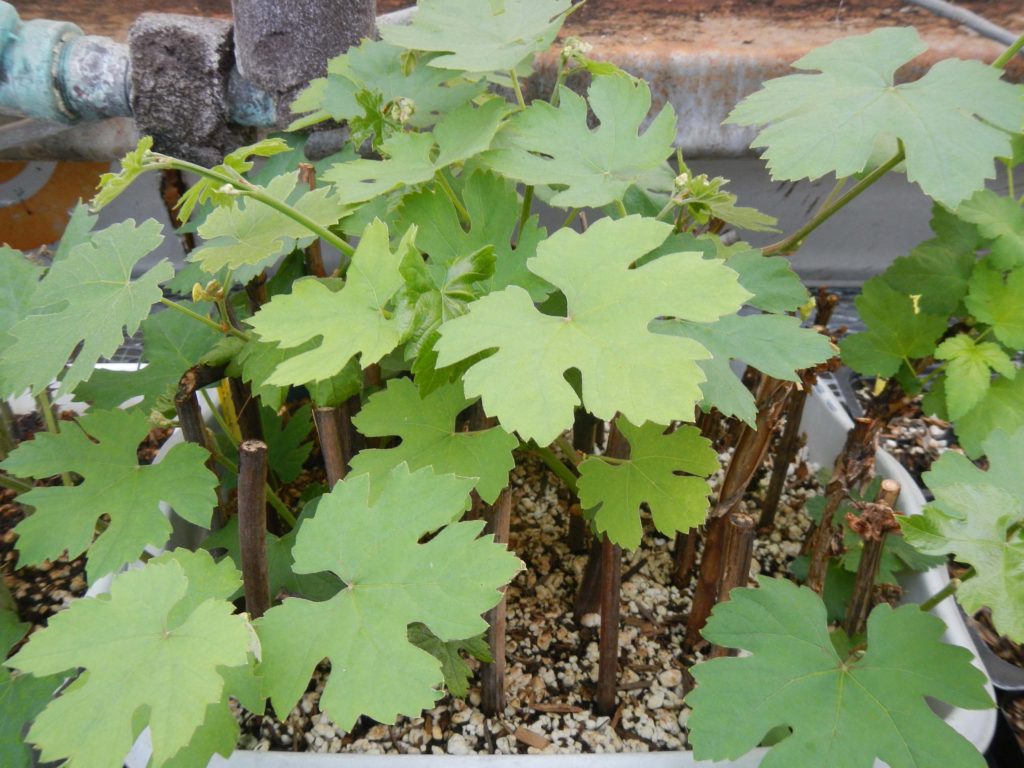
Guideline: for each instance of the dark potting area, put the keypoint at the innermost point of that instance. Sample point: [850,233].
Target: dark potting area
[592,646]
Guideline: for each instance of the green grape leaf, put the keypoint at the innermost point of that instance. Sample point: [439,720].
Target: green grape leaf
[952,122]
[705,199]
[842,711]
[19,279]
[980,525]
[454,668]
[102,449]
[22,696]
[90,299]
[132,166]
[280,575]
[77,231]
[1005,451]
[351,321]
[392,581]
[479,36]
[152,654]
[895,332]
[251,234]
[653,474]
[430,437]
[171,344]
[1002,407]
[604,335]
[969,373]
[997,301]
[288,444]
[776,287]
[383,69]
[555,146]
[1000,219]
[493,207]
[464,133]
[774,344]
[937,271]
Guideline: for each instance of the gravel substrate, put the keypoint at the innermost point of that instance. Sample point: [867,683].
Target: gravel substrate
[552,661]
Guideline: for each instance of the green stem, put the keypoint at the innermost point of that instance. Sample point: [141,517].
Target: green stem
[1009,53]
[205,320]
[524,213]
[794,241]
[553,463]
[279,506]
[460,209]
[668,207]
[219,418]
[839,186]
[947,590]
[622,208]
[16,485]
[45,406]
[1009,180]
[556,94]
[259,194]
[518,89]
[570,453]
[569,219]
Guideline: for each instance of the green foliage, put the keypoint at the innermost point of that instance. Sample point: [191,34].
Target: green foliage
[897,331]
[386,70]
[952,122]
[1002,407]
[555,146]
[480,36]
[171,344]
[454,668]
[774,344]
[102,449]
[249,233]
[1000,219]
[153,654]
[665,471]
[430,437]
[19,278]
[392,581]
[937,271]
[856,709]
[706,199]
[89,298]
[133,164]
[288,442]
[360,321]
[981,526]
[995,299]
[603,334]
[969,373]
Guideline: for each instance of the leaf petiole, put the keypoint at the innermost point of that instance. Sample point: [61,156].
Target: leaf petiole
[946,591]
[205,320]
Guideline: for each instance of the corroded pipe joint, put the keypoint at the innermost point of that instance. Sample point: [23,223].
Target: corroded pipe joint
[94,79]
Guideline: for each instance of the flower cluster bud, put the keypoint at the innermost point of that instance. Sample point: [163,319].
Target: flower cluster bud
[212,291]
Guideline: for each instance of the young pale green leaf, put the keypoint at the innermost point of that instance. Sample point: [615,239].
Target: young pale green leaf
[132,166]
[454,668]
[654,473]
[153,654]
[479,36]
[774,344]
[90,299]
[101,448]
[427,428]
[171,344]
[251,234]
[555,146]
[981,526]
[352,321]
[288,443]
[389,71]
[392,581]
[1002,407]
[776,287]
[464,133]
[842,712]
[706,198]
[969,373]
[996,300]
[236,164]
[604,334]
[1001,219]
[896,331]
[952,122]
[493,205]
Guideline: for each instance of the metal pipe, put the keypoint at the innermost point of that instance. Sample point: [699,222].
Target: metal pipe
[969,19]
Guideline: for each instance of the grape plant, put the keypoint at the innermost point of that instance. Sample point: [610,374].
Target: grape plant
[454,332]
